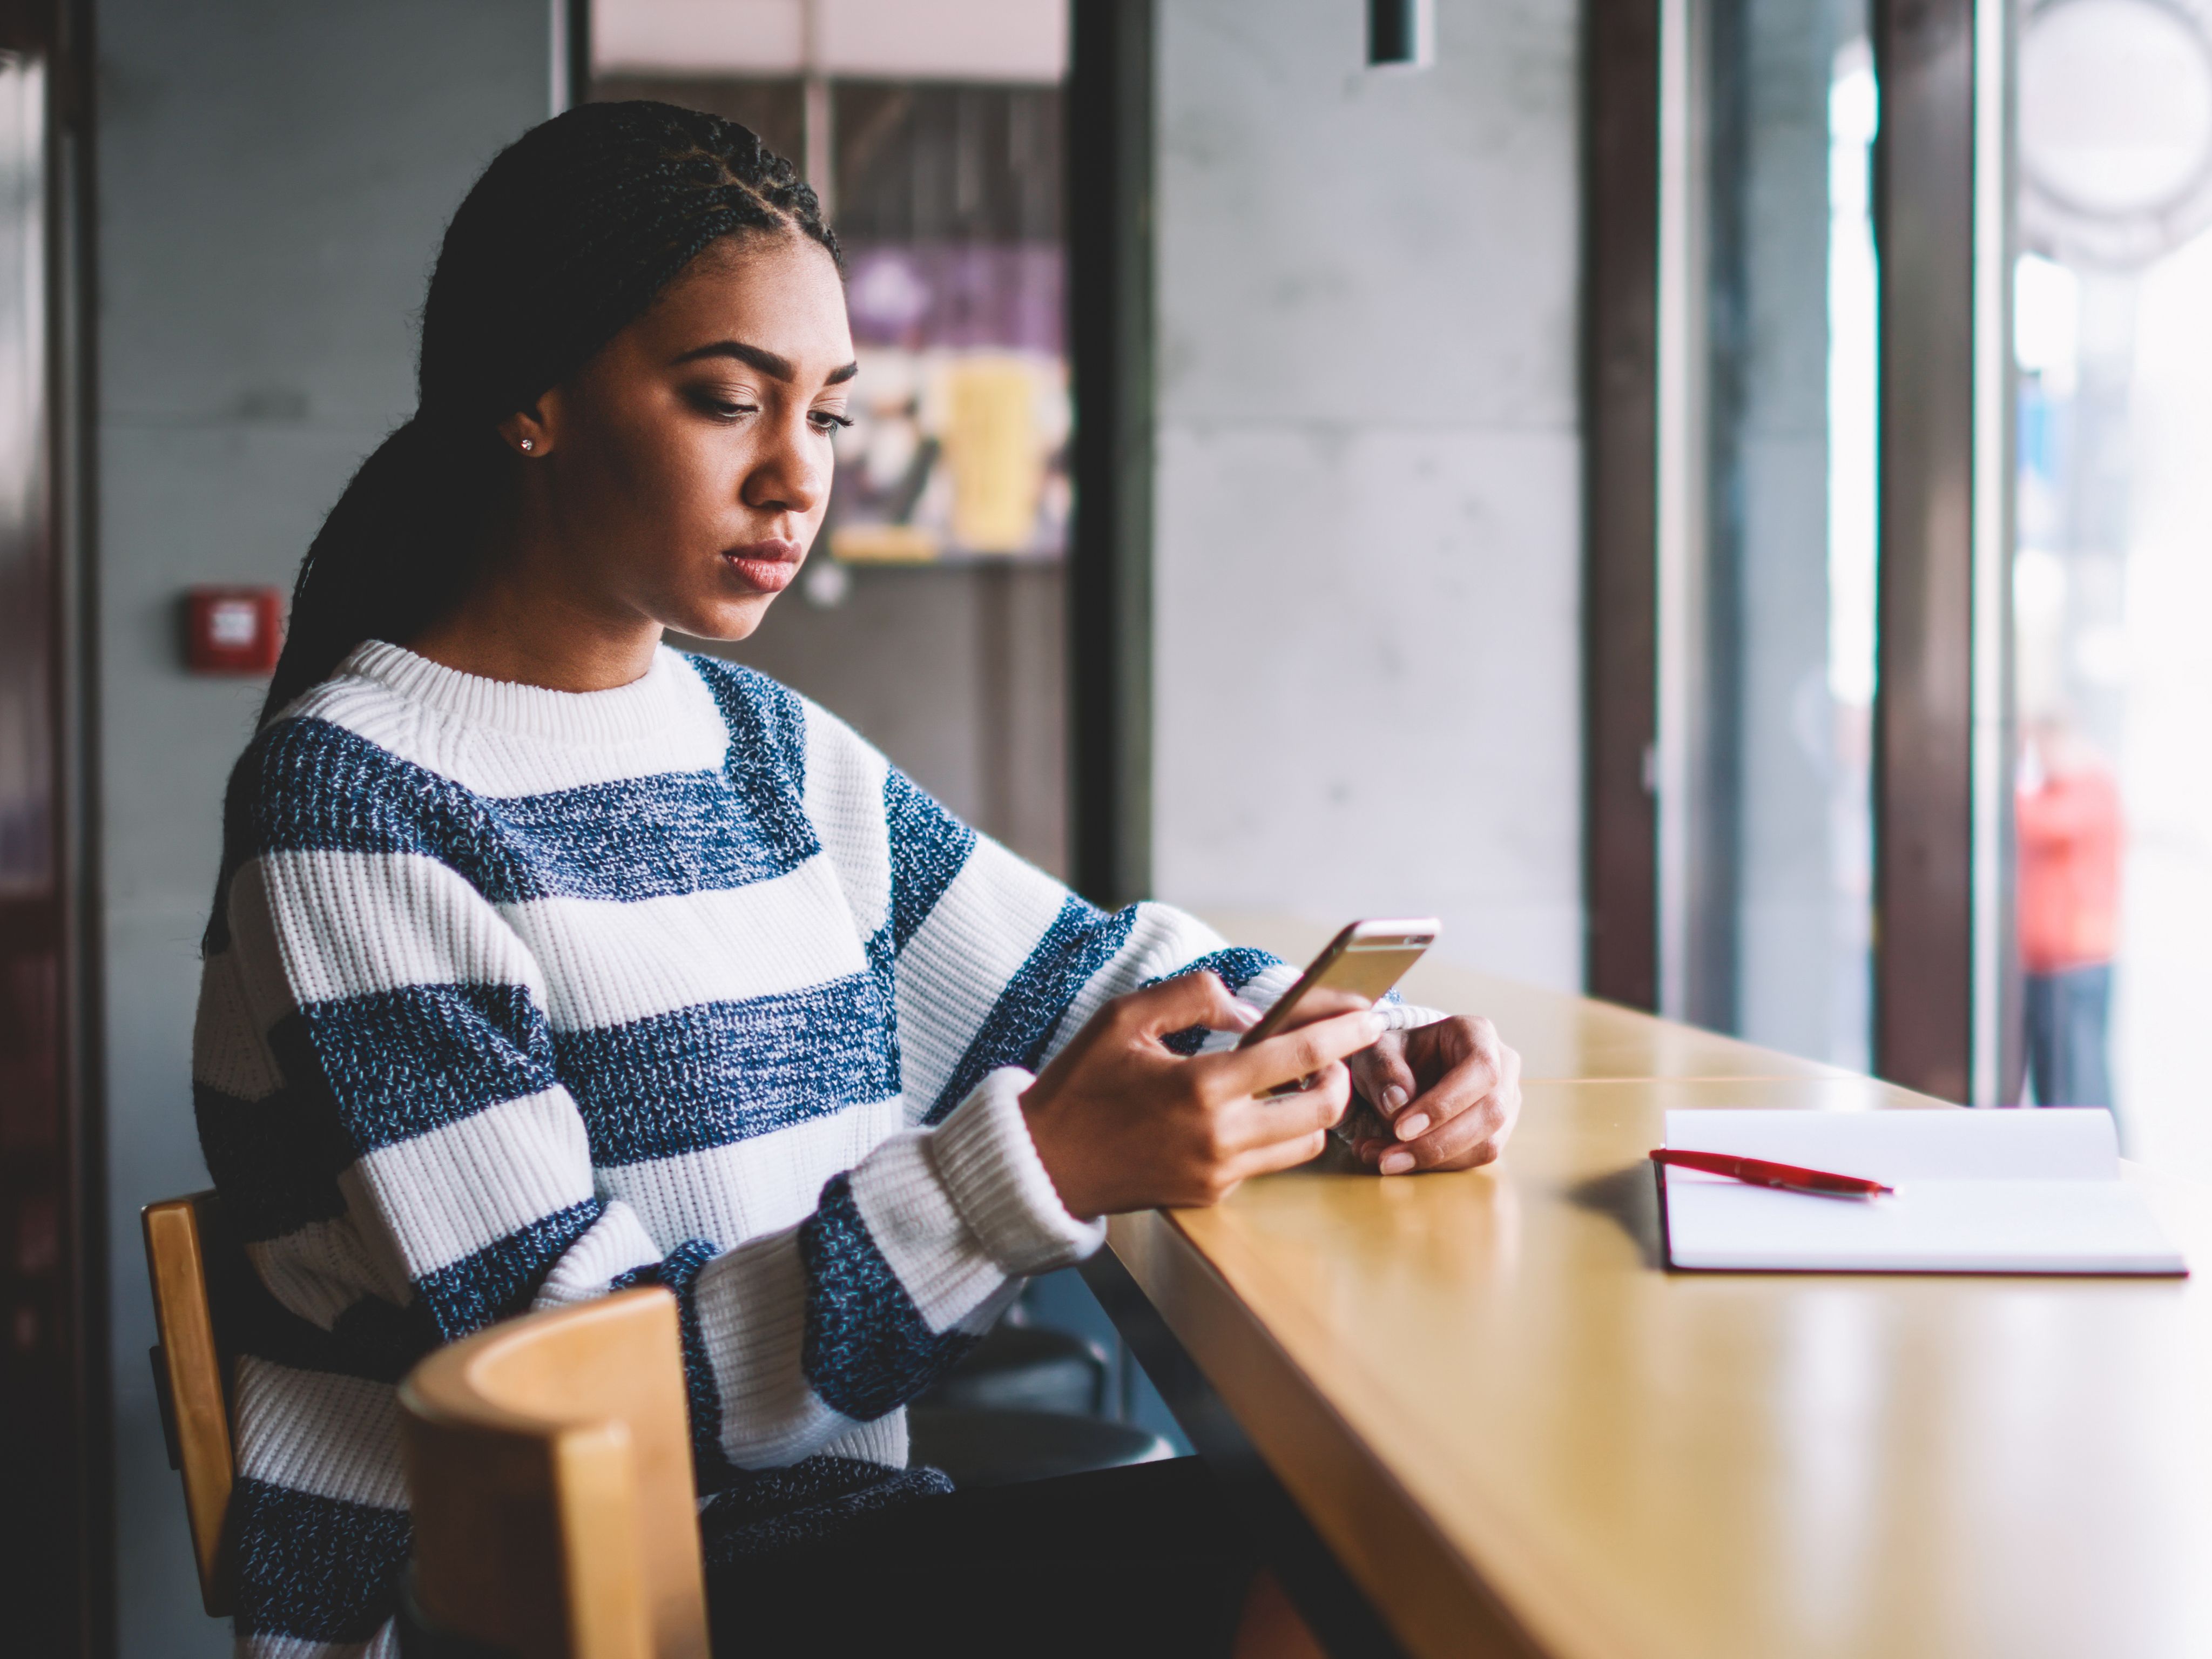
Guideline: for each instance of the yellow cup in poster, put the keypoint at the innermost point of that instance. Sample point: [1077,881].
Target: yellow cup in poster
[992,449]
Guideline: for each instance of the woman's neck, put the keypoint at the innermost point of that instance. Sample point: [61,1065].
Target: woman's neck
[513,627]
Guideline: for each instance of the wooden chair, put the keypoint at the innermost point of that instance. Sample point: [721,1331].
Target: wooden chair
[551,1451]
[199,1272]
[549,1463]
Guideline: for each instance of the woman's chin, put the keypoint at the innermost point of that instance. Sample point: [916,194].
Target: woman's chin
[725,620]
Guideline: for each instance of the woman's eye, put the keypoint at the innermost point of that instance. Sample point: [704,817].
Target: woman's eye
[829,420]
[722,408]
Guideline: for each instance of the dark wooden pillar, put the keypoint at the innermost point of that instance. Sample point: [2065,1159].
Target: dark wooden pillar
[1924,708]
[1620,504]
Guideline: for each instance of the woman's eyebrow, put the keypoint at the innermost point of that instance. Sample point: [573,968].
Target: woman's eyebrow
[768,362]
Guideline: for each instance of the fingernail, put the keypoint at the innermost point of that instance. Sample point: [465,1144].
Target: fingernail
[1393,1097]
[1396,1161]
[1375,1025]
[1410,1126]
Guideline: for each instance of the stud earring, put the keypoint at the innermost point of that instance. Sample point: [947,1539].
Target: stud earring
[529,444]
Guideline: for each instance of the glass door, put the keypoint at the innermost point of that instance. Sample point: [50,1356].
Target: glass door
[46,1391]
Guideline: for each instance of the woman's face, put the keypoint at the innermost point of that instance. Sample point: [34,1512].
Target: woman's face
[681,477]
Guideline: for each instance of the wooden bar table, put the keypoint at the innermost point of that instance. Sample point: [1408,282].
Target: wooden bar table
[1516,1434]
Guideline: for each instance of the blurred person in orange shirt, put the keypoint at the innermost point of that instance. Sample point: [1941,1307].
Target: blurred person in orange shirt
[2068,818]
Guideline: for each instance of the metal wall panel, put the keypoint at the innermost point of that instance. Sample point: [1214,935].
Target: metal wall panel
[1110,227]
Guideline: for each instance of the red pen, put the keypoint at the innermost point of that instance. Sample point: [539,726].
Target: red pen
[1759,1173]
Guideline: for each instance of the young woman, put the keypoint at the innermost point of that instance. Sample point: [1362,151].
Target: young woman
[545,960]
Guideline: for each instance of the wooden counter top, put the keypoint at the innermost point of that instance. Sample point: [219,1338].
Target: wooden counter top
[1557,1035]
[1519,1434]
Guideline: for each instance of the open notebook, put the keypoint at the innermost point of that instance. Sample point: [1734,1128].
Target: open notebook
[2005,1192]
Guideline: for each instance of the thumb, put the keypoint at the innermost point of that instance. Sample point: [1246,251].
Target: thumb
[1383,1076]
[1197,998]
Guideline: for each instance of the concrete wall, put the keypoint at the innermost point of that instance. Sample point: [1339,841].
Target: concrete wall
[1368,537]
[273,180]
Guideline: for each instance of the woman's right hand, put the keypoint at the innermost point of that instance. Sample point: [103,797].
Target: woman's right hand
[1123,1122]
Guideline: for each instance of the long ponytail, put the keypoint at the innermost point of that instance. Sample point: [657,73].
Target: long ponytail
[571,233]
[394,553]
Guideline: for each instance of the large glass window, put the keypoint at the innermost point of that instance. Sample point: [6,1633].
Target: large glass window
[1768,525]
[949,204]
[2112,569]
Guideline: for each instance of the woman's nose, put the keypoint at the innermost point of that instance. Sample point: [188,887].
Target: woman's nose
[792,473]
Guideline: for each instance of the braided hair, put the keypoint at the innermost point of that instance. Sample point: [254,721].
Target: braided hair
[569,237]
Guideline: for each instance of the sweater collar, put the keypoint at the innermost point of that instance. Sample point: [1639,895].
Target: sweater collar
[651,703]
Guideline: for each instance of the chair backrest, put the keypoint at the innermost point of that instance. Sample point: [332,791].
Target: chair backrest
[548,1468]
[193,1261]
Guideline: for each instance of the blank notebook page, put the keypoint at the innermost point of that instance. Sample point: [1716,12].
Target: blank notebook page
[2023,1192]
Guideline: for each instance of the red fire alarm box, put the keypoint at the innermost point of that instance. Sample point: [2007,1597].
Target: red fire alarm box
[232,630]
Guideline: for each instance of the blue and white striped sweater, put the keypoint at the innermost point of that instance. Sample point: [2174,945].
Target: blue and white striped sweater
[511,996]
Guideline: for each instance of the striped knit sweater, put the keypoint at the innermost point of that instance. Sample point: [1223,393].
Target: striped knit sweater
[513,996]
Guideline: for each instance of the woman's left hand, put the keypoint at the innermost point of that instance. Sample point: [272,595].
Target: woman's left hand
[1440,1097]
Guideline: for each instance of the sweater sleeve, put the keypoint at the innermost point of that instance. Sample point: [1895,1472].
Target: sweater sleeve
[381,1108]
[992,962]
[998,964]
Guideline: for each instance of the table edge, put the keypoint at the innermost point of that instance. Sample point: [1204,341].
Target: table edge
[1430,1596]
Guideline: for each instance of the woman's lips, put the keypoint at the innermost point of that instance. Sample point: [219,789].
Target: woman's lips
[769,566]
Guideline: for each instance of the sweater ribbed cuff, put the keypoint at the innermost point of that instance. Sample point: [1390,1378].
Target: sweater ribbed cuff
[1405,1016]
[991,1169]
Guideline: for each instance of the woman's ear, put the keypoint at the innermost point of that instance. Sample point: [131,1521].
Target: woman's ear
[529,431]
